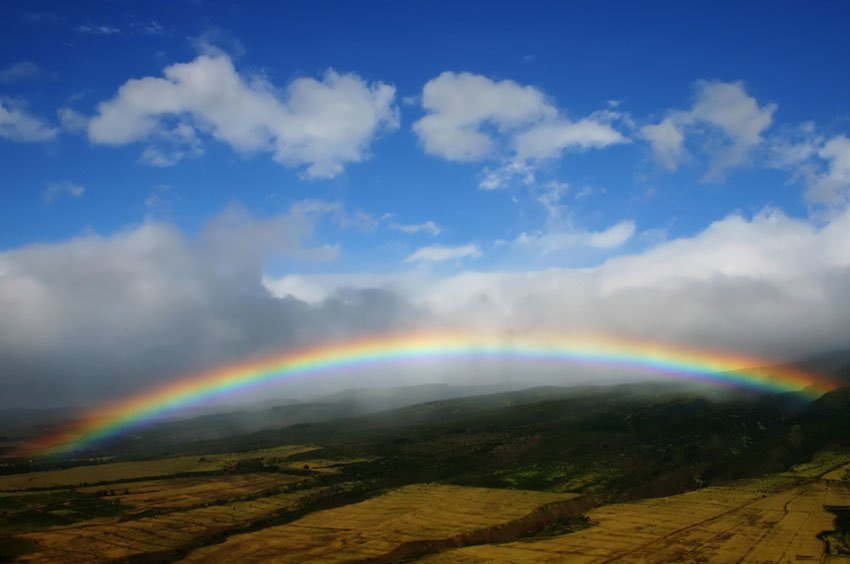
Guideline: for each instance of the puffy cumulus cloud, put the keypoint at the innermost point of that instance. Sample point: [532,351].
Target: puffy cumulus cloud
[767,285]
[719,107]
[472,118]
[16,124]
[100,316]
[458,105]
[322,125]
[440,253]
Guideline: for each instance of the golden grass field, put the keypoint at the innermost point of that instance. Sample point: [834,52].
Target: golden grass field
[118,471]
[99,540]
[378,526]
[772,519]
[253,516]
[170,512]
[176,493]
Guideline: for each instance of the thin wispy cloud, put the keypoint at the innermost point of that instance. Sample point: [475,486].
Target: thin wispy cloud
[442,253]
[426,227]
[22,70]
[97,29]
[56,190]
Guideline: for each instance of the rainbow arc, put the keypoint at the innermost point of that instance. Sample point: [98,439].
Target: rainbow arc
[559,348]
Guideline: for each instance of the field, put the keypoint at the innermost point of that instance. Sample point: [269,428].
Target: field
[772,519]
[395,525]
[121,471]
[781,517]
[192,500]
[631,474]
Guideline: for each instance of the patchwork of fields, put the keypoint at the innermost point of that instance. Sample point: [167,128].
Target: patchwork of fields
[288,504]
[772,519]
[156,507]
[123,471]
[396,525]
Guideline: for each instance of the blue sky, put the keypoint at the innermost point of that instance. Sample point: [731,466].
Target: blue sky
[580,56]
[405,147]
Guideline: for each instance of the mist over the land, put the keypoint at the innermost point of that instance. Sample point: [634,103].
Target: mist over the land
[98,317]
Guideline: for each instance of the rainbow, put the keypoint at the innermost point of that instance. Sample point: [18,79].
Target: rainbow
[560,348]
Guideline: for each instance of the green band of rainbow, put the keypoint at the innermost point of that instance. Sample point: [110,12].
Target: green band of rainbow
[678,362]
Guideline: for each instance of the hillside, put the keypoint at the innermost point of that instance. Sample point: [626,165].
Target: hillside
[604,446]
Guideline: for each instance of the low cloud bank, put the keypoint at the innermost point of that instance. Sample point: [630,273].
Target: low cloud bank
[98,317]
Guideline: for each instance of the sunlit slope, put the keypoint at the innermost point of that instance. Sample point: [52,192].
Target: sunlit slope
[175,493]
[118,471]
[395,525]
[772,519]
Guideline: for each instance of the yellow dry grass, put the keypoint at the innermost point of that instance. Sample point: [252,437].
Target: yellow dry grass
[176,493]
[379,525]
[119,471]
[772,519]
[101,540]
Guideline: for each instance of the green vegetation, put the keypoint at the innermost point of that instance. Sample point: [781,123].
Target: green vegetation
[27,511]
[838,540]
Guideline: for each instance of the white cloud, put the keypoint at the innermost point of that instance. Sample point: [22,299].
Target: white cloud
[16,124]
[832,187]
[549,139]
[98,29]
[72,121]
[495,178]
[819,162]
[719,107]
[794,146]
[426,227]
[19,71]
[460,104]
[322,125]
[556,240]
[668,142]
[439,253]
[151,27]
[588,191]
[550,198]
[766,285]
[176,144]
[108,315]
[471,118]
[56,189]
[99,316]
